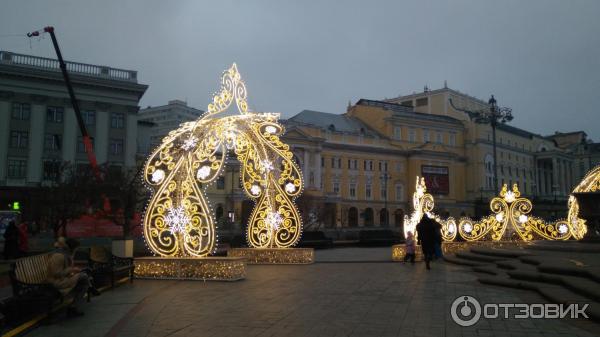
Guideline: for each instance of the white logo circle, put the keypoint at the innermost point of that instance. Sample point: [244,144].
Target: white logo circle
[469,307]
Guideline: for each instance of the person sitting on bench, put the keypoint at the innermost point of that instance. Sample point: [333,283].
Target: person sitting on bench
[67,278]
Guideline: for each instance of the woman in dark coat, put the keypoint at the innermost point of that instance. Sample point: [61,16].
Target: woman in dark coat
[426,235]
[11,241]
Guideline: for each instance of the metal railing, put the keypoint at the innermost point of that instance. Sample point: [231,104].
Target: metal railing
[75,68]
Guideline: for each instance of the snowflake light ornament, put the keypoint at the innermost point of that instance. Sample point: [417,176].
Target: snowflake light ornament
[255,190]
[203,172]
[177,219]
[274,220]
[158,176]
[189,143]
[290,188]
[267,165]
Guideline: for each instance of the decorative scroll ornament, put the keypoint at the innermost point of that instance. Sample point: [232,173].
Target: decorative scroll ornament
[178,220]
[510,218]
[510,210]
[423,204]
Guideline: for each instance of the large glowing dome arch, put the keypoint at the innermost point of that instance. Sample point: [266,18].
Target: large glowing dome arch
[178,220]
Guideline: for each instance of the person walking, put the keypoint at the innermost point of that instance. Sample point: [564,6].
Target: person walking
[426,237]
[11,241]
[409,248]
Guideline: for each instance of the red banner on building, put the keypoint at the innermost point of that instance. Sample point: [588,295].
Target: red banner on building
[436,178]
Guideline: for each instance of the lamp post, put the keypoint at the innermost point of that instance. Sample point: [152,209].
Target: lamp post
[384,179]
[494,116]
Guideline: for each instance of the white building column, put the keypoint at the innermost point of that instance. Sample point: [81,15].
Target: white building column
[131,140]
[306,168]
[4,130]
[70,133]
[555,185]
[101,139]
[36,144]
[318,169]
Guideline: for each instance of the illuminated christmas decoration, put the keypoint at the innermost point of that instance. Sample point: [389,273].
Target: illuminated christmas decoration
[178,219]
[510,209]
[423,204]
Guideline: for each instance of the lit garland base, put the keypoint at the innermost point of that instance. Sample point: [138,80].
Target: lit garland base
[453,247]
[186,268]
[399,251]
[274,255]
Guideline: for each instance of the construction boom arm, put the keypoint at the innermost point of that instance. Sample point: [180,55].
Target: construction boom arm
[87,141]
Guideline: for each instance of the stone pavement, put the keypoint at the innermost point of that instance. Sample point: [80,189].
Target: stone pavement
[323,299]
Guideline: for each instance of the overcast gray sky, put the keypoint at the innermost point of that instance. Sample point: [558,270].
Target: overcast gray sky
[542,58]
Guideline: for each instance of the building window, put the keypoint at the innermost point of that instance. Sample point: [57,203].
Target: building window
[19,139]
[383,192]
[452,139]
[425,135]
[51,170]
[54,114]
[439,138]
[510,171]
[116,146]
[422,101]
[52,142]
[339,163]
[17,168]
[89,117]
[81,146]
[20,111]
[117,120]
[322,161]
[368,165]
[399,192]
[397,133]
[221,183]
[352,190]
[368,194]
[412,135]
[336,188]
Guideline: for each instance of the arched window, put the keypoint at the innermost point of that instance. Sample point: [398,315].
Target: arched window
[368,217]
[353,217]
[383,217]
[219,212]
[399,217]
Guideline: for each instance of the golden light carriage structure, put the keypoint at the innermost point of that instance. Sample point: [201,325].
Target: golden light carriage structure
[179,222]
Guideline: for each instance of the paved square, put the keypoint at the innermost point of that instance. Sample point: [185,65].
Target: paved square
[324,299]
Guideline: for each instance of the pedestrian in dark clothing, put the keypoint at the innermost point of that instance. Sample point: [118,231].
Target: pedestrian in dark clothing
[438,240]
[409,248]
[426,237]
[11,241]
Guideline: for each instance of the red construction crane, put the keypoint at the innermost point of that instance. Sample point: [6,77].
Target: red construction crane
[87,141]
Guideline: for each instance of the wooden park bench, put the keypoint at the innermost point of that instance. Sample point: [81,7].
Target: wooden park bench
[104,264]
[32,294]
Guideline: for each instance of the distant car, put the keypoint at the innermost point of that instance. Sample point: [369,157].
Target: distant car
[5,218]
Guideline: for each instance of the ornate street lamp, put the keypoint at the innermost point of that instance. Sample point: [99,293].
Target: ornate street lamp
[494,115]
